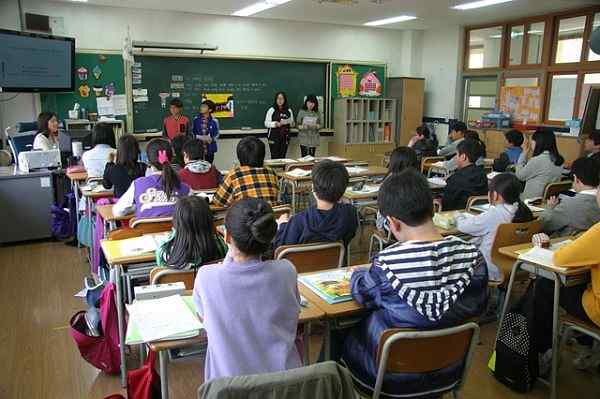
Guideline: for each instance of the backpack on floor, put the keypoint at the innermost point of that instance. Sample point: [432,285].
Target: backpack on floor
[101,351]
[515,360]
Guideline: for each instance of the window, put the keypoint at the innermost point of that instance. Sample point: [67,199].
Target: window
[589,79]
[595,25]
[484,47]
[562,97]
[570,39]
[480,96]
[535,42]
[517,34]
[521,82]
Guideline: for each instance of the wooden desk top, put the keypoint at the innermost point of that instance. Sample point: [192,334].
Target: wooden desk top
[77,176]
[514,251]
[97,194]
[369,172]
[106,211]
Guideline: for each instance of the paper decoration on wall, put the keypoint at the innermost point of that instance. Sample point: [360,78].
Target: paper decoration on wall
[137,65]
[178,86]
[346,81]
[102,58]
[97,72]
[136,81]
[163,99]
[140,99]
[82,73]
[98,91]
[140,92]
[370,85]
[523,103]
[84,90]
[175,94]
[109,89]
[177,78]
[223,104]
[136,70]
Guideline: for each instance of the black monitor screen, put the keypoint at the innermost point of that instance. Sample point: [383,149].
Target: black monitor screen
[32,62]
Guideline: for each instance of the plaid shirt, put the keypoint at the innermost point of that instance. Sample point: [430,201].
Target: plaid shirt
[246,181]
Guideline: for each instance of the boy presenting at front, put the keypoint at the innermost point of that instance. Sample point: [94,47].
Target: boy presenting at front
[329,220]
[423,281]
[206,129]
[469,180]
[176,123]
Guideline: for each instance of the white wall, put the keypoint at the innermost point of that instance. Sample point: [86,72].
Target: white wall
[441,53]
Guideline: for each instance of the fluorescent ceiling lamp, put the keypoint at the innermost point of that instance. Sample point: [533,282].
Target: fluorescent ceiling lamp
[258,7]
[479,4]
[392,20]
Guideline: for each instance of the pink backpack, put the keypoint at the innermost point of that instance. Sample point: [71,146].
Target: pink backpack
[101,352]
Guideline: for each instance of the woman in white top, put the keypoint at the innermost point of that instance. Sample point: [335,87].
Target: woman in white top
[47,137]
[95,160]
[545,166]
[505,207]
[279,119]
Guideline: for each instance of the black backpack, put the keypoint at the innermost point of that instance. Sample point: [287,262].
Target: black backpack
[515,360]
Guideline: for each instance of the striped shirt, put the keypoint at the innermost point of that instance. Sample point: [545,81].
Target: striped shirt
[430,276]
[246,181]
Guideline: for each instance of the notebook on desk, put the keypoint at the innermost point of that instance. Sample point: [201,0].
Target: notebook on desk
[332,286]
[543,256]
[143,244]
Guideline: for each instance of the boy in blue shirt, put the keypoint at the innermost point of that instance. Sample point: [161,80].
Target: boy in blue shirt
[206,129]
[327,221]
[510,156]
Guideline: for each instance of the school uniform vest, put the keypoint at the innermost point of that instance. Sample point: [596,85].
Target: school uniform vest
[150,199]
[278,116]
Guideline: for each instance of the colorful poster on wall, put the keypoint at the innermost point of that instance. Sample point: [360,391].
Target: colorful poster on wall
[224,104]
[523,103]
[357,80]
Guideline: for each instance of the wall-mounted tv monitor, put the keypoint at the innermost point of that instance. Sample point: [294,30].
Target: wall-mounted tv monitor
[31,62]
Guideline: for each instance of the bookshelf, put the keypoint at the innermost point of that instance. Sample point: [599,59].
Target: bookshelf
[364,128]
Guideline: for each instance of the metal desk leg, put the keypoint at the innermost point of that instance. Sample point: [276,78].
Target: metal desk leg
[327,340]
[88,210]
[293,197]
[306,339]
[509,287]
[75,187]
[163,370]
[121,324]
[555,338]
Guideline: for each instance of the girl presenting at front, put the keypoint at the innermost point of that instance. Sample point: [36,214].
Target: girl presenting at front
[206,129]
[193,241]
[250,307]
[278,120]
[154,195]
[505,207]
[309,123]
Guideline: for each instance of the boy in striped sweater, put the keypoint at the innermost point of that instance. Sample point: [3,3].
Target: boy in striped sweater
[424,281]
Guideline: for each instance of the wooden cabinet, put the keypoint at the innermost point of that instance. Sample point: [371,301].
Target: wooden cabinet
[410,94]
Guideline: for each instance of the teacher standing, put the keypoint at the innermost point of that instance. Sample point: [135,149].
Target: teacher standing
[279,120]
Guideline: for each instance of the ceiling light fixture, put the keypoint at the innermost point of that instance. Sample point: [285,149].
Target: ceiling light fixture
[392,20]
[258,7]
[479,4]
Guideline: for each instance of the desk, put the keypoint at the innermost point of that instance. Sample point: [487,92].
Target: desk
[90,197]
[570,277]
[76,178]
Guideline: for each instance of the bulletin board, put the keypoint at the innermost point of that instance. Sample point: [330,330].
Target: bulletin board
[358,80]
[523,103]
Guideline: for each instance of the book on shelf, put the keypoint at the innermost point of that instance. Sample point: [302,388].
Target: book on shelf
[332,286]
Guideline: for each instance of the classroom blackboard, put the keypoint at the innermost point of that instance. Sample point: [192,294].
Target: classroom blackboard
[252,83]
[109,70]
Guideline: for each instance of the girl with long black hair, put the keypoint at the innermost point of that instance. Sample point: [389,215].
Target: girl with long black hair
[279,119]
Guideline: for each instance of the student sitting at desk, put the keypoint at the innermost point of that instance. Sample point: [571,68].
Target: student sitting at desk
[456,135]
[154,195]
[178,142]
[514,140]
[469,180]
[193,241]
[47,136]
[505,207]
[327,221]
[591,146]
[198,173]
[545,165]
[250,307]
[95,160]
[251,178]
[451,164]
[126,169]
[571,215]
[424,143]
[423,281]
[582,301]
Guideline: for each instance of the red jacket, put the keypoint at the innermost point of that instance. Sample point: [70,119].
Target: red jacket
[200,175]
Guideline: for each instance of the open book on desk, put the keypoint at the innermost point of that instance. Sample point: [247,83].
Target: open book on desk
[143,244]
[543,256]
[332,286]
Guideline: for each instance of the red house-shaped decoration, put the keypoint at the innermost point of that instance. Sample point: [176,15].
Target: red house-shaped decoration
[370,85]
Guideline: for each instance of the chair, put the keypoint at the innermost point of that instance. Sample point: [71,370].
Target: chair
[20,142]
[426,163]
[313,257]
[382,240]
[512,234]
[165,275]
[139,227]
[279,210]
[476,200]
[409,351]
[554,189]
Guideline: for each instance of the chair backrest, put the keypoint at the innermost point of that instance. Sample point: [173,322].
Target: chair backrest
[139,227]
[279,210]
[475,200]
[299,165]
[512,234]
[313,257]
[426,162]
[19,142]
[553,189]
[165,275]
[409,351]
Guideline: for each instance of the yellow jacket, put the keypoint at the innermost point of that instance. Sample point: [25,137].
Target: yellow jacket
[584,252]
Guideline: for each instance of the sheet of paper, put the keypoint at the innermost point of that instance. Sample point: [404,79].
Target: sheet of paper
[164,317]
[437,181]
[105,106]
[140,99]
[368,188]
[355,170]
[307,158]
[336,159]
[309,120]
[140,92]
[299,172]
[119,104]
[491,175]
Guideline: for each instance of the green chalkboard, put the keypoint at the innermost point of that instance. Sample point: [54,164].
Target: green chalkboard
[253,84]
[111,67]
